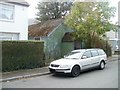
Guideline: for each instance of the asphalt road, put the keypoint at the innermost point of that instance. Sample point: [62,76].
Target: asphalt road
[107,78]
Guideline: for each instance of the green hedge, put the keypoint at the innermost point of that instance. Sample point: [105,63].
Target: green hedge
[22,55]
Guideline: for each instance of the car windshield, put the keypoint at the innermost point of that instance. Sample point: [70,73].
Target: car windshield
[71,53]
[73,56]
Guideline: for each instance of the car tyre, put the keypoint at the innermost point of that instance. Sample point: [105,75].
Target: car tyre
[75,71]
[102,65]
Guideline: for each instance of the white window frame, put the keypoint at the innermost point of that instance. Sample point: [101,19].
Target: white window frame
[116,34]
[5,38]
[13,12]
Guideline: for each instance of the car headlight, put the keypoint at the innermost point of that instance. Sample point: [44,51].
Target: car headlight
[64,66]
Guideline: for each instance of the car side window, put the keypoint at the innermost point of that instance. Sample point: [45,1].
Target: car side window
[94,53]
[87,54]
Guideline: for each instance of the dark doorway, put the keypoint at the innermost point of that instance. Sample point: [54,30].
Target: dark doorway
[77,44]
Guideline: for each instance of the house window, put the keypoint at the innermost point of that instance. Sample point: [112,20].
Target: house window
[6,12]
[37,38]
[9,36]
[5,38]
[116,34]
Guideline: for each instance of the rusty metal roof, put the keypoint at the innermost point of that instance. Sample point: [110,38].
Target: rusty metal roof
[44,28]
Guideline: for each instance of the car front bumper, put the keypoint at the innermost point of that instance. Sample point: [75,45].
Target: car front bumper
[56,70]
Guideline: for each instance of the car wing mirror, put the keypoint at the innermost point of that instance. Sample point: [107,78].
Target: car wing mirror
[84,57]
[64,56]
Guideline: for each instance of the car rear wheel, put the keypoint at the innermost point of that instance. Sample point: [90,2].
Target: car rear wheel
[75,71]
[102,65]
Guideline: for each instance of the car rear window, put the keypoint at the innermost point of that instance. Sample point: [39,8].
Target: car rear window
[101,52]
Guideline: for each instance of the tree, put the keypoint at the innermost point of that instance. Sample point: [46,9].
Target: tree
[52,10]
[89,19]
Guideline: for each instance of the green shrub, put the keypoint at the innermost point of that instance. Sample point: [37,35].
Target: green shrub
[107,48]
[103,44]
[97,42]
[22,55]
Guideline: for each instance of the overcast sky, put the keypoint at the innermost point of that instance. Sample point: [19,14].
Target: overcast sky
[33,4]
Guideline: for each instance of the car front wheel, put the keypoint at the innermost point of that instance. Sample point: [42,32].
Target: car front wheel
[102,65]
[75,71]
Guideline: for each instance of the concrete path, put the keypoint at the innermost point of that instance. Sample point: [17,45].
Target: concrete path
[8,76]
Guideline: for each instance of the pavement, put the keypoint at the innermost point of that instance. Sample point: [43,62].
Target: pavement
[20,74]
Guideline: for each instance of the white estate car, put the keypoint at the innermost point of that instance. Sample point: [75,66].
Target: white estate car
[79,60]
